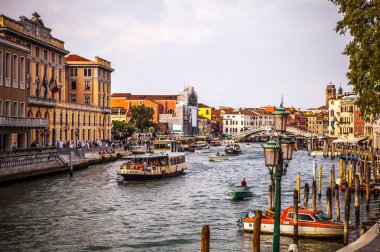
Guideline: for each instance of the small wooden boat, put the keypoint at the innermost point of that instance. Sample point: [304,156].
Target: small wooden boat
[233,149]
[153,166]
[311,223]
[241,192]
[216,157]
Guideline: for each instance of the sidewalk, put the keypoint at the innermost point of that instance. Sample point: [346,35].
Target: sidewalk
[369,242]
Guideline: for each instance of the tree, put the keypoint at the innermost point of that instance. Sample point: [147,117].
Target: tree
[142,117]
[361,20]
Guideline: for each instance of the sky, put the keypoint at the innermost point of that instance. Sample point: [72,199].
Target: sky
[238,53]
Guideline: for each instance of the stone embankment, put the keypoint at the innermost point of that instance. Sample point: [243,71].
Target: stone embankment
[26,163]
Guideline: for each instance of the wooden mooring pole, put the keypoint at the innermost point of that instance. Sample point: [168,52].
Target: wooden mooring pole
[314,195]
[357,208]
[337,204]
[329,202]
[298,184]
[205,239]
[347,214]
[306,195]
[333,179]
[256,231]
[320,182]
[295,217]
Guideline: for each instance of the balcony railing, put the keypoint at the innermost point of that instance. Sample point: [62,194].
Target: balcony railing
[41,102]
[22,122]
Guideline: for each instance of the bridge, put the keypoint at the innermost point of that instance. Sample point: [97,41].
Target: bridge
[292,130]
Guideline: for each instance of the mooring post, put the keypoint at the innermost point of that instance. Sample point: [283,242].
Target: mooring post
[71,163]
[306,195]
[205,239]
[328,202]
[314,195]
[347,214]
[299,186]
[350,175]
[256,231]
[295,217]
[341,169]
[270,202]
[367,185]
[357,208]
[320,182]
[337,204]
[333,179]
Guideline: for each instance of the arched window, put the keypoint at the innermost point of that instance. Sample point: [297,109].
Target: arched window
[171,111]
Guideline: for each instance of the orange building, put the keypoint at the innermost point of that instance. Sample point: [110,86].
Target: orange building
[161,104]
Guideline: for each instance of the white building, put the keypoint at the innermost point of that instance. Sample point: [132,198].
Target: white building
[262,119]
[237,121]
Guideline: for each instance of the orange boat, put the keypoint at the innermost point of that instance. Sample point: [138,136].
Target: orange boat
[311,223]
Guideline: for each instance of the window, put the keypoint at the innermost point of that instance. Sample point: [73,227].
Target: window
[22,72]
[37,52]
[305,217]
[37,69]
[89,121]
[73,85]
[87,72]
[73,72]
[53,57]
[60,118]
[72,122]
[1,68]
[60,75]
[84,119]
[7,69]
[60,59]
[15,109]
[7,108]
[1,108]
[53,72]
[73,98]
[87,99]
[22,109]
[45,55]
[87,85]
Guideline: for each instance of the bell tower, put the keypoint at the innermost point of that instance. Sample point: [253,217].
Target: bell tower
[330,93]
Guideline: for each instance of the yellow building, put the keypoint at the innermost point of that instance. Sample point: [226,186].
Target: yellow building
[204,111]
[65,120]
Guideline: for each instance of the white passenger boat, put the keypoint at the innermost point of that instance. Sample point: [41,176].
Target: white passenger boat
[153,166]
[216,156]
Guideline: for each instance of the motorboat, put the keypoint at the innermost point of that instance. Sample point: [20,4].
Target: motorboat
[248,145]
[198,145]
[217,156]
[344,184]
[215,142]
[316,153]
[153,166]
[348,157]
[312,223]
[232,149]
[241,192]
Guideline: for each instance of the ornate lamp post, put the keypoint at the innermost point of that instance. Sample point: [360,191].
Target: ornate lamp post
[277,155]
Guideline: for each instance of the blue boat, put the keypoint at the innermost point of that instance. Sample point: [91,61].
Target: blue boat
[344,157]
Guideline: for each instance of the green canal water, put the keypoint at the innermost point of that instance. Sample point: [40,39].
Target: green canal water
[94,212]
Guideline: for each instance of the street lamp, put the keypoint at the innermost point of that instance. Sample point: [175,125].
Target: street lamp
[277,155]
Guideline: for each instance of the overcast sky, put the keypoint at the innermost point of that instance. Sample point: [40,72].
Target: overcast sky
[239,53]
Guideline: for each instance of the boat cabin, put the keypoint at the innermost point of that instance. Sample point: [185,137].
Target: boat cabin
[305,215]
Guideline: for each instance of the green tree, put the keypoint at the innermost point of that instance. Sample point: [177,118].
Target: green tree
[117,129]
[361,20]
[142,117]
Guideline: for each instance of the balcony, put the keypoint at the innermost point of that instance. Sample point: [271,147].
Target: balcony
[22,122]
[41,102]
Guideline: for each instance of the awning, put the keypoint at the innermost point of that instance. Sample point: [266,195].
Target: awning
[356,140]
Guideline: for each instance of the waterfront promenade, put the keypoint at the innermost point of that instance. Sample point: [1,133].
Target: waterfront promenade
[369,242]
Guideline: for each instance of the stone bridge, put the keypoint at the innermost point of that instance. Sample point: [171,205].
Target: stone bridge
[292,130]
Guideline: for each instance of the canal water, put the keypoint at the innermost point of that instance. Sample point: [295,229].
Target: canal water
[94,212]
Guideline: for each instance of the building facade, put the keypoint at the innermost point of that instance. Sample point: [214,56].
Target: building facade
[45,66]
[15,127]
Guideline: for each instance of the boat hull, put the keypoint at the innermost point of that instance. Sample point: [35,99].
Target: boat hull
[139,177]
[241,193]
[303,231]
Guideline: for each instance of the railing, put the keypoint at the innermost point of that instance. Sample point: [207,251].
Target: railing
[22,122]
[42,101]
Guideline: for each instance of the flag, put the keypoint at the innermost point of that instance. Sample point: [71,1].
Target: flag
[53,85]
[44,84]
[333,124]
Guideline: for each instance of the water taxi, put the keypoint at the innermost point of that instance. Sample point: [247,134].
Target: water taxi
[311,223]
[198,145]
[153,166]
[217,156]
[215,142]
[233,149]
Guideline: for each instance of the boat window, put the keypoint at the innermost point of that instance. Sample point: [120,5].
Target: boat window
[322,216]
[305,217]
[290,215]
